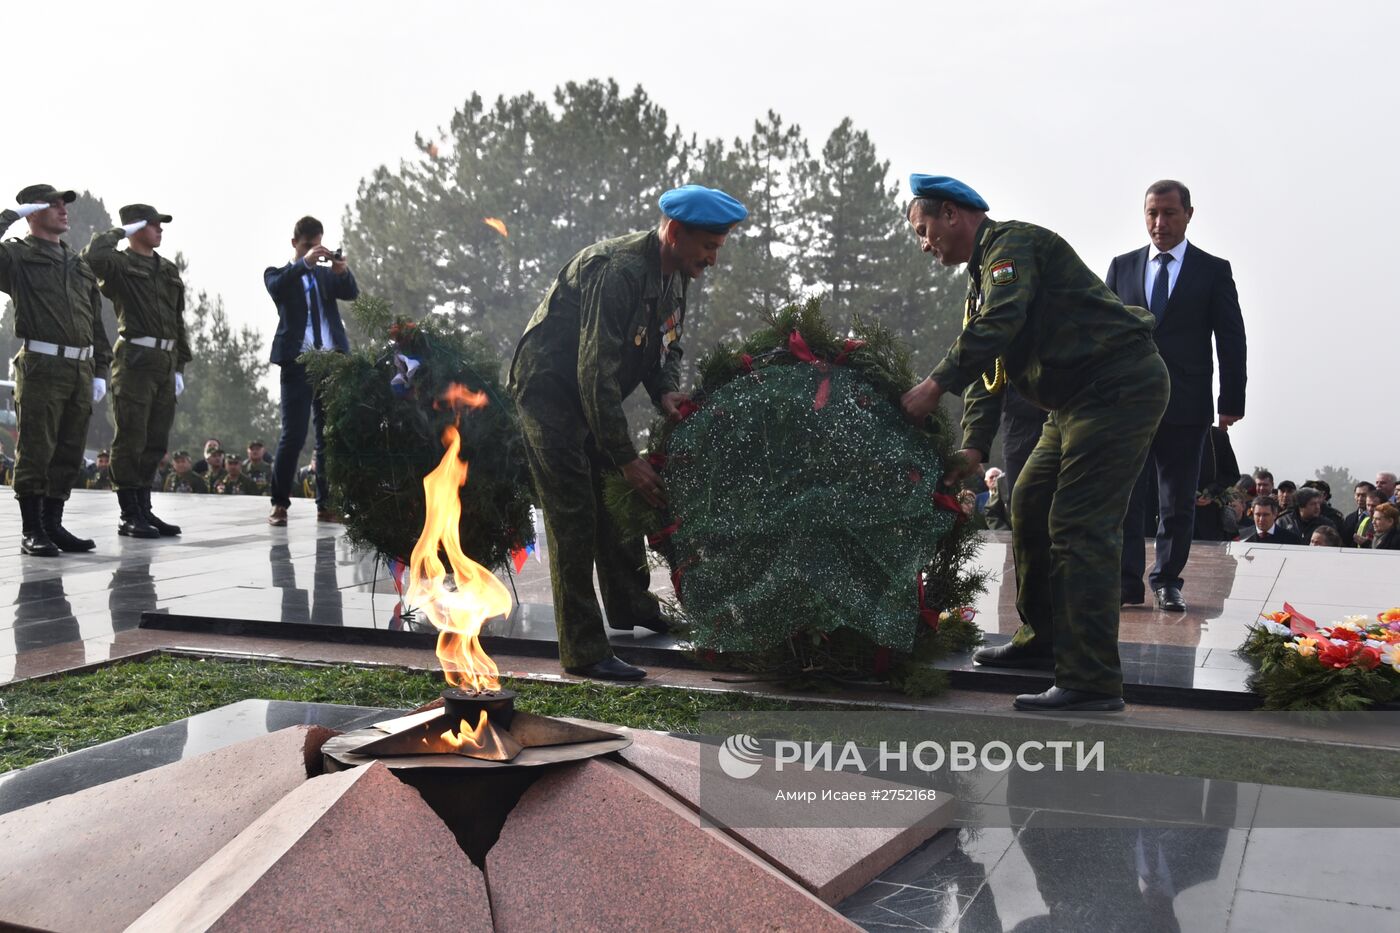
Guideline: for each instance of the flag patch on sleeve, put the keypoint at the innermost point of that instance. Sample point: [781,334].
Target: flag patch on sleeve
[1003,272]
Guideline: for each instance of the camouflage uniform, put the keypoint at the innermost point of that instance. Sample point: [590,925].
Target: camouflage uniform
[240,485]
[261,475]
[100,479]
[185,482]
[1070,346]
[150,302]
[56,302]
[609,323]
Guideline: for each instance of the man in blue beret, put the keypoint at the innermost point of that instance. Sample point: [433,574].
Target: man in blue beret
[611,321]
[1039,320]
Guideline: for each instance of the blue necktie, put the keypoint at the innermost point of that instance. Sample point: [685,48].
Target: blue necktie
[1157,303]
[313,298]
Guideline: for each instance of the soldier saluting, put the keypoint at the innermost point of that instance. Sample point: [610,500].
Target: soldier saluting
[61,369]
[151,352]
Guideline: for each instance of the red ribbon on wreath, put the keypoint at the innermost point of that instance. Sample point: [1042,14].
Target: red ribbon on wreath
[950,504]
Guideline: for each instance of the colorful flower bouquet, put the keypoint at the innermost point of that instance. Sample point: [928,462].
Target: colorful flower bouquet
[1353,664]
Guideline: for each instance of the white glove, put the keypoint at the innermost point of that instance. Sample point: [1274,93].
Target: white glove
[99,389]
[24,210]
[131,228]
[179,384]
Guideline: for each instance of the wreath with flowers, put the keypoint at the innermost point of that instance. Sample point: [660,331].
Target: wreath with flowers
[808,534]
[1349,665]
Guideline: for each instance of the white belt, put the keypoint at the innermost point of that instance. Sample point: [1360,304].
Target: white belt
[154,343]
[58,349]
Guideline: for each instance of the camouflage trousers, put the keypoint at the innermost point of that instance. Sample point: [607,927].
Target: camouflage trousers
[53,398]
[568,485]
[143,397]
[1067,520]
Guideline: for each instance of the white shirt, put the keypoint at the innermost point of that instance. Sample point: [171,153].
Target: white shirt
[308,283]
[1149,273]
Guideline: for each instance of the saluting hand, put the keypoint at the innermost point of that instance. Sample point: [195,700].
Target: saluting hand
[646,481]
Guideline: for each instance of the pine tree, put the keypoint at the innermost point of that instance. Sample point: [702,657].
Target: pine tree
[223,395]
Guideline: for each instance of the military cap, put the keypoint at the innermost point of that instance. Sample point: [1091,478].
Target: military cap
[104,453]
[943,188]
[706,208]
[232,458]
[134,212]
[256,444]
[36,193]
[180,455]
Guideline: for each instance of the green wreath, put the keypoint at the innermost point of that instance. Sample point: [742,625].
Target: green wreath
[383,433]
[808,534]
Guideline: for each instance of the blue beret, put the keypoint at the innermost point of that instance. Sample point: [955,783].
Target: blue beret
[946,189]
[706,208]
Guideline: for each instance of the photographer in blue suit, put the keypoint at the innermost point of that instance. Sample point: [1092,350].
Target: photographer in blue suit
[1192,295]
[306,291]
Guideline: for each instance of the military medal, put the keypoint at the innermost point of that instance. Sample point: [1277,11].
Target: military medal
[641,336]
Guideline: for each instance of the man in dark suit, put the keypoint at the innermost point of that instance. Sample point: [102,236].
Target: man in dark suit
[1266,528]
[1192,296]
[305,290]
[1352,522]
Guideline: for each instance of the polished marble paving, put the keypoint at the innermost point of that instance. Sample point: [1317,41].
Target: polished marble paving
[231,572]
[1215,856]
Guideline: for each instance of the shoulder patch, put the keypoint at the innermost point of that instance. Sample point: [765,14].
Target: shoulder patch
[1003,272]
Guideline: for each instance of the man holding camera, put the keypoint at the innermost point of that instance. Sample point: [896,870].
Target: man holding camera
[151,353]
[61,369]
[306,291]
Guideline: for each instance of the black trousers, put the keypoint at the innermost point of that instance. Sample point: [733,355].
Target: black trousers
[300,404]
[1173,470]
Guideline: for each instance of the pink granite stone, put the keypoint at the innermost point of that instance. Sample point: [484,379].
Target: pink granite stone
[354,850]
[833,862]
[596,846]
[96,859]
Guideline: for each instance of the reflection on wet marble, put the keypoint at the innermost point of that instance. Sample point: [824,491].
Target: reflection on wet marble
[172,742]
[230,565]
[1027,868]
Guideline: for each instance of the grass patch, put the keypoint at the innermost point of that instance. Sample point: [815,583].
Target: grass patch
[41,719]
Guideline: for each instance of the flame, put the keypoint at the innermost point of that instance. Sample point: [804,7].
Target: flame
[466,736]
[497,224]
[458,612]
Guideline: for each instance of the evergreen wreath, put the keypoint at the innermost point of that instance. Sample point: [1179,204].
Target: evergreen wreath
[383,433]
[808,534]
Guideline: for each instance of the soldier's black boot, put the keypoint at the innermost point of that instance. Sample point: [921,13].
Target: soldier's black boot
[35,540]
[133,524]
[62,537]
[143,499]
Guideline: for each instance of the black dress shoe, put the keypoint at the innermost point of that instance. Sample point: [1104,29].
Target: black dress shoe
[661,625]
[1014,655]
[1169,599]
[1133,599]
[610,668]
[1060,700]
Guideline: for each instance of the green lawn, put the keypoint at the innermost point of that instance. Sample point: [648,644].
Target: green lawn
[41,719]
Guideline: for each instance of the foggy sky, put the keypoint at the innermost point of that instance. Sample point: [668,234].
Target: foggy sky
[1281,117]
